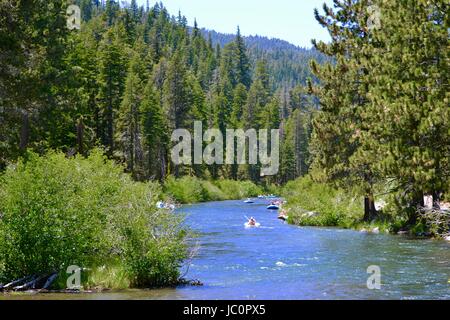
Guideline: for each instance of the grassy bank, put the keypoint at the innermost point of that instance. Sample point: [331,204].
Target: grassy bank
[193,190]
[318,204]
[57,212]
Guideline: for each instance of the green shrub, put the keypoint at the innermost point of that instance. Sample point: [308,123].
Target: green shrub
[318,204]
[213,192]
[186,189]
[249,189]
[231,188]
[238,189]
[58,212]
[272,189]
[446,196]
[192,190]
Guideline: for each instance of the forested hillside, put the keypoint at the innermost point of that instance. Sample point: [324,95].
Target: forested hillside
[88,112]
[373,120]
[288,64]
[131,76]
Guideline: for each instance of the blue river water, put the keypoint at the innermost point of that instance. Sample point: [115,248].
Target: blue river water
[281,261]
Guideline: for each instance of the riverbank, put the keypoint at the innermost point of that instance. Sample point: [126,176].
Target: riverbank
[57,212]
[317,204]
[84,220]
[188,190]
[279,261]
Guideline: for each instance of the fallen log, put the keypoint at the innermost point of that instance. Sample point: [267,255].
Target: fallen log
[50,281]
[30,284]
[16,282]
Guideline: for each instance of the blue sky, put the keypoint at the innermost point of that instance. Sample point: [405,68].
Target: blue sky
[291,20]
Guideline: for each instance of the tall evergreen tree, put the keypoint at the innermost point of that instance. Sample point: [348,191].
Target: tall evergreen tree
[242,61]
[86,7]
[409,113]
[111,81]
[342,92]
[33,42]
[128,131]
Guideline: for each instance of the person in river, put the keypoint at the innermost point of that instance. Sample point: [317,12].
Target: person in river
[252,222]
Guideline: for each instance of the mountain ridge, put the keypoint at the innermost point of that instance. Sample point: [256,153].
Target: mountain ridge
[224,38]
[288,64]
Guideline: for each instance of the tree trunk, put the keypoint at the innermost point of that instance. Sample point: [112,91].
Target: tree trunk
[436,200]
[132,149]
[418,202]
[98,131]
[163,163]
[367,208]
[49,281]
[24,132]
[110,129]
[80,136]
[370,211]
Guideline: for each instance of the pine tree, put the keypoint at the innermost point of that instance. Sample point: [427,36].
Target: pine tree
[111,10]
[128,131]
[239,100]
[242,61]
[32,74]
[175,93]
[86,7]
[409,100]
[288,166]
[111,81]
[155,133]
[258,97]
[134,8]
[339,126]
[253,115]
[83,90]
[180,93]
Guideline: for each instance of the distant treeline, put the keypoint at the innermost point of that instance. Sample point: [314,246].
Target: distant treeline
[288,64]
[131,75]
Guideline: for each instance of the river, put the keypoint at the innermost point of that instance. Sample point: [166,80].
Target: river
[280,261]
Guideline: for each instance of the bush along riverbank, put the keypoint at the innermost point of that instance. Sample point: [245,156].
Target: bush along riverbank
[310,203]
[57,212]
[193,190]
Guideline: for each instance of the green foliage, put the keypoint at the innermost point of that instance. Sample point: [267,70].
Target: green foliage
[33,75]
[185,190]
[128,78]
[58,212]
[319,204]
[288,64]
[111,276]
[409,100]
[111,81]
[384,116]
[213,192]
[191,189]
[154,248]
[238,189]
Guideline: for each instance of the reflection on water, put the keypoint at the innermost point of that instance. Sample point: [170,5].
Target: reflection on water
[279,261]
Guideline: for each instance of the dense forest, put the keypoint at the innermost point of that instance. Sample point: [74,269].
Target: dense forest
[132,75]
[364,121]
[369,114]
[288,65]
[383,129]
